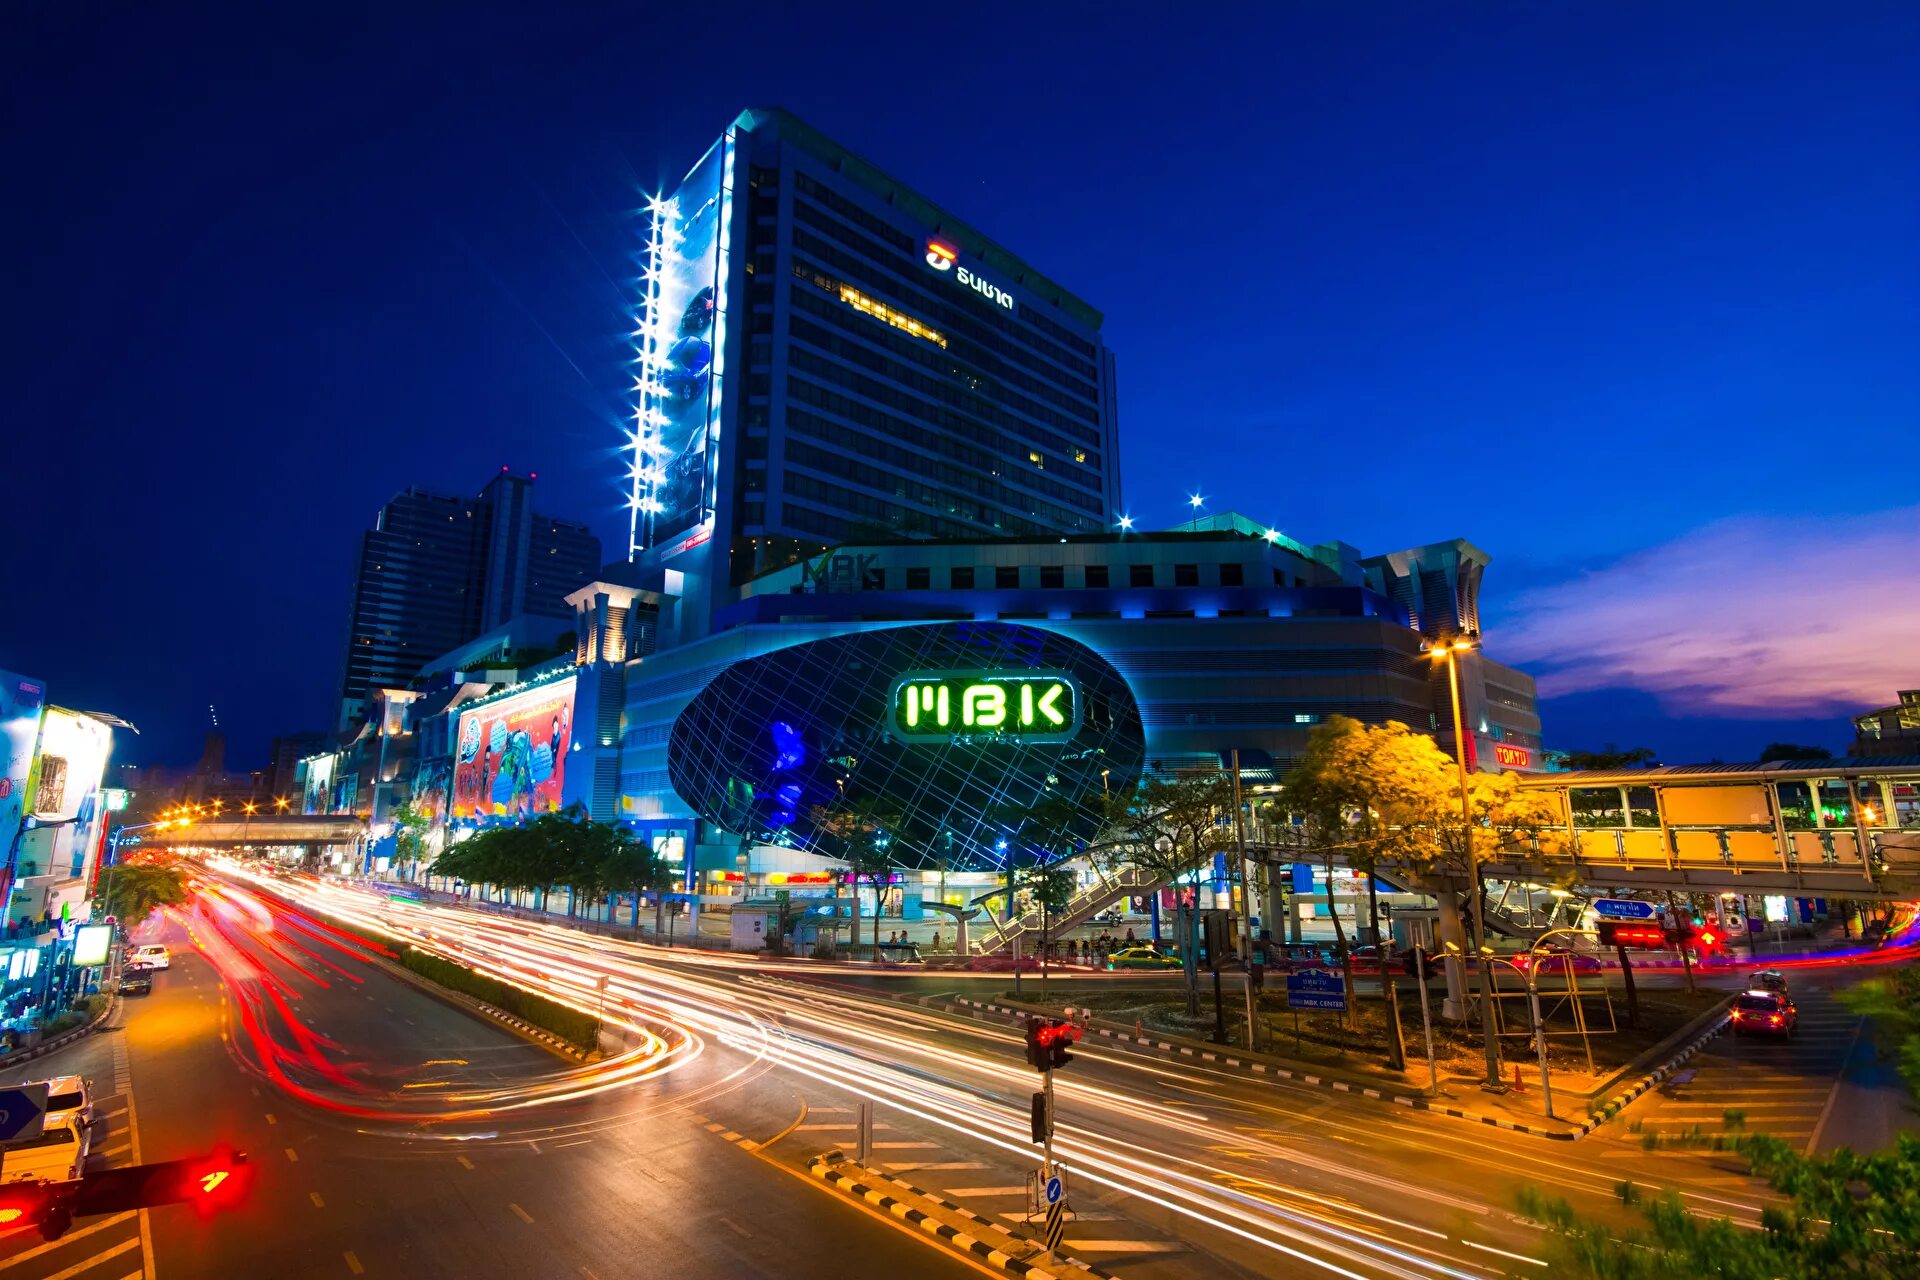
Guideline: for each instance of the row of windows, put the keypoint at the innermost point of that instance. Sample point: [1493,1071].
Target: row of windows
[981,369]
[939,417]
[1007,577]
[802,422]
[853,353]
[945,367]
[980,321]
[1000,451]
[871,510]
[834,464]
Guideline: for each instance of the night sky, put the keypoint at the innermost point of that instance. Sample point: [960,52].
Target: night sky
[1624,294]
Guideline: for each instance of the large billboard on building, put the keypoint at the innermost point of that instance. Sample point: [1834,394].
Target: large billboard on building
[509,759]
[67,793]
[21,701]
[681,336]
[316,785]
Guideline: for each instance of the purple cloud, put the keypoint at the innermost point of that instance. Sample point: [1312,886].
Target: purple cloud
[1753,616]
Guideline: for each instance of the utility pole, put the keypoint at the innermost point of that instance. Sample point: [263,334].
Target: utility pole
[1246,908]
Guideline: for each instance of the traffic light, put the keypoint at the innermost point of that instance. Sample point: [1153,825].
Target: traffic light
[23,1204]
[1041,1128]
[1048,1042]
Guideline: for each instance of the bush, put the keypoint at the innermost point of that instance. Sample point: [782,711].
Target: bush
[579,1029]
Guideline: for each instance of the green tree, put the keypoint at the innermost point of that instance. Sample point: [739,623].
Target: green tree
[134,890]
[1050,886]
[865,832]
[410,827]
[1847,1215]
[1609,757]
[1165,828]
[628,864]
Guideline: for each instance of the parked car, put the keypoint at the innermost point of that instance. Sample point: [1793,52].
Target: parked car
[1367,960]
[1766,1013]
[71,1095]
[1142,958]
[152,953]
[136,983]
[59,1154]
[1767,980]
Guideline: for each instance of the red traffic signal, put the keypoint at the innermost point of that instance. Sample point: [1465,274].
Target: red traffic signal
[1621,933]
[1048,1040]
[22,1204]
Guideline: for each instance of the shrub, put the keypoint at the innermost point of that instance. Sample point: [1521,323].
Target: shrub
[579,1029]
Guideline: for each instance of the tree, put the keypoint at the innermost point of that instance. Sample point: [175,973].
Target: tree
[1378,795]
[1167,827]
[1050,885]
[1609,757]
[136,889]
[1793,751]
[410,827]
[627,863]
[864,832]
[1847,1216]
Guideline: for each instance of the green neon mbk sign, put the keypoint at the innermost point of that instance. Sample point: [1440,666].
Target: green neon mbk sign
[1028,706]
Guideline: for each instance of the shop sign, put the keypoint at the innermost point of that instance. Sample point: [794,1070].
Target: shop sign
[1026,706]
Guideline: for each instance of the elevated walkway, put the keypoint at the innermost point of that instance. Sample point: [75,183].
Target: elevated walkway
[1124,882]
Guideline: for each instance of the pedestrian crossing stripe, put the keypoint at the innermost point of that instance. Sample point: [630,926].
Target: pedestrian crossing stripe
[1056,1225]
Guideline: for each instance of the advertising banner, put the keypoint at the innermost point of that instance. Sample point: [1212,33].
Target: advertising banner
[684,331]
[21,701]
[73,763]
[511,756]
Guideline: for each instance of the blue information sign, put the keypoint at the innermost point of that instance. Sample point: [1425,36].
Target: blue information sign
[23,1111]
[1316,989]
[1623,908]
[1053,1190]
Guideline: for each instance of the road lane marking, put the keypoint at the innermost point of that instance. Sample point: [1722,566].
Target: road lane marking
[1126,1246]
[737,1229]
[464,1162]
[965,1192]
[88,1264]
[1517,1257]
[956,1164]
[520,1213]
[293,1155]
[318,1203]
[271,1119]
[1813,1140]
[65,1240]
[353,1263]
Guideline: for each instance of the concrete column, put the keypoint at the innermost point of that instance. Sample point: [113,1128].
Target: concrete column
[1453,930]
[1274,913]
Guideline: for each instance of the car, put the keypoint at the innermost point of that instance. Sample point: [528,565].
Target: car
[59,1154]
[1367,960]
[71,1095]
[136,983]
[136,967]
[1767,980]
[1142,958]
[1767,1013]
[152,953]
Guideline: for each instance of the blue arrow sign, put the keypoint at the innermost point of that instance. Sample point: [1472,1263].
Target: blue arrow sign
[1623,908]
[23,1111]
[1316,989]
[1053,1190]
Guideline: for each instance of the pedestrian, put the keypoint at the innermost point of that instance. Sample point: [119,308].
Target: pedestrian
[1130,938]
[935,946]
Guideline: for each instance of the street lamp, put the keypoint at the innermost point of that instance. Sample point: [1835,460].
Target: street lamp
[1447,649]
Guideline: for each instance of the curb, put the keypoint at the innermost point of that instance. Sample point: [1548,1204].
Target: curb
[1597,1115]
[474,1005]
[975,1248]
[62,1040]
[971,1216]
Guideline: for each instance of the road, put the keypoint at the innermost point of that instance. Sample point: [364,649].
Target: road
[395,1134]
[587,1189]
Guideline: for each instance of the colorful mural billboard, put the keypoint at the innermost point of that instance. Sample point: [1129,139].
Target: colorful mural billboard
[21,701]
[67,796]
[510,756]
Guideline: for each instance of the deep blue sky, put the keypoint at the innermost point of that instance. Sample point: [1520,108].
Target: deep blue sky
[1573,282]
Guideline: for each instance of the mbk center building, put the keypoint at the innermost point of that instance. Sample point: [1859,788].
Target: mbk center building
[879,568]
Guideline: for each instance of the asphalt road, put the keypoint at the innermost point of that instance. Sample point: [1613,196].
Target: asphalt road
[608,1188]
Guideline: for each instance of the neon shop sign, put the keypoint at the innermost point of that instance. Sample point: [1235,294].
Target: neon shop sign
[1030,706]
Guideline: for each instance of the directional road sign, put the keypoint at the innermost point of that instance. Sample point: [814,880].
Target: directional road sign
[23,1111]
[1316,989]
[1623,908]
[1053,1190]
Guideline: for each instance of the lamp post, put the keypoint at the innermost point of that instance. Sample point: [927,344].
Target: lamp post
[1445,650]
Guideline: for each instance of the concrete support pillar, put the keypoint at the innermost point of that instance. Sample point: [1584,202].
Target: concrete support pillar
[1274,911]
[1453,930]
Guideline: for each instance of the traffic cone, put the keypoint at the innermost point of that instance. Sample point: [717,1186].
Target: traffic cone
[1517,1086]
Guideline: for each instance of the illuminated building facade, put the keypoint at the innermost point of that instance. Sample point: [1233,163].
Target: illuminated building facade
[822,354]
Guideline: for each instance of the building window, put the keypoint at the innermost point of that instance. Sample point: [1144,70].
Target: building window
[1033,456]
[1186,575]
[960,578]
[1139,575]
[919,579]
[1052,575]
[1306,717]
[1096,575]
[1232,575]
[1006,576]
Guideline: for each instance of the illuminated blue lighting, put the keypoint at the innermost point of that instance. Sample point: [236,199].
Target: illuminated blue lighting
[1126,522]
[789,751]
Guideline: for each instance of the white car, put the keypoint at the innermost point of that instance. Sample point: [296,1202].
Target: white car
[59,1154]
[153,955]
[73,1096]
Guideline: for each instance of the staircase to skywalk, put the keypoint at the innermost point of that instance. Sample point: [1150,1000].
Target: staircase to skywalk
[1123,882]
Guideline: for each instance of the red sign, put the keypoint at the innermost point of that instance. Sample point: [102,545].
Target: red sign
[1513,757]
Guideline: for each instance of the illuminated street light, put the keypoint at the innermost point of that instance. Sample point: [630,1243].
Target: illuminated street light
[1195,501]
[1126,522]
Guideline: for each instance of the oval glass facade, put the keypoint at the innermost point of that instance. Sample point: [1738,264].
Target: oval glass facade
[945,734]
